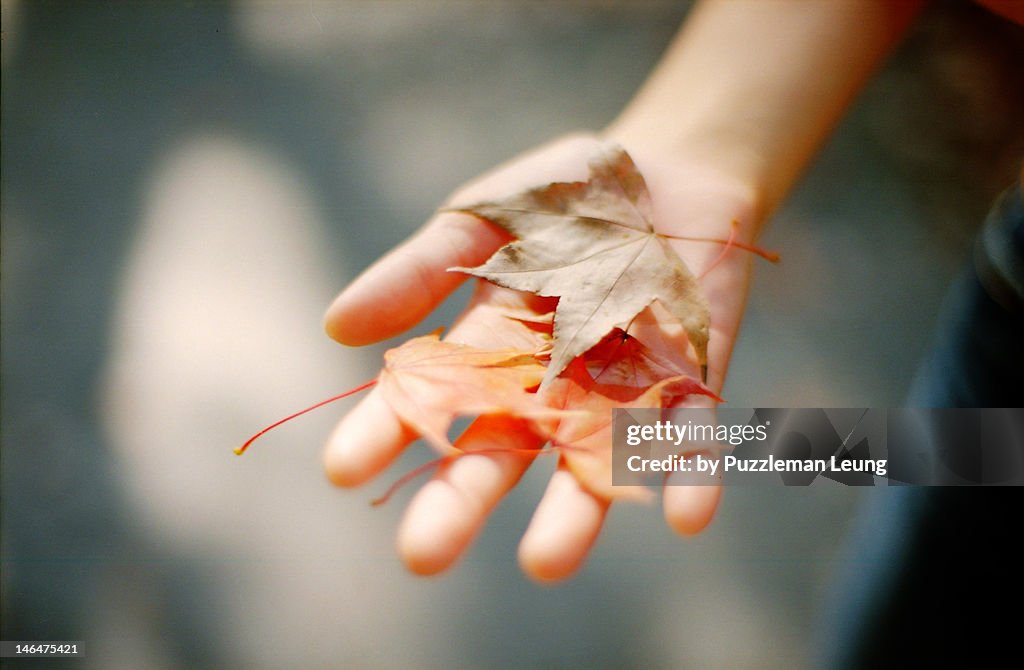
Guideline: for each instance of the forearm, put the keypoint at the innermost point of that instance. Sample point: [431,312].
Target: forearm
[752,87]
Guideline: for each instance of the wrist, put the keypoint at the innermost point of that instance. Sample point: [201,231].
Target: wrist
[728,170]
[751,89]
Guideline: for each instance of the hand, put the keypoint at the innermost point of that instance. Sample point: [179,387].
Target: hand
[404,286]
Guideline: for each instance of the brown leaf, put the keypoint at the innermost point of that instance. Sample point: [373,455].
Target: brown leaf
[428,383]
[592,244]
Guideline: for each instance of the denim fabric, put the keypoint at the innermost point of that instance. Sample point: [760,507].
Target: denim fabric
[927,565]
[978,354]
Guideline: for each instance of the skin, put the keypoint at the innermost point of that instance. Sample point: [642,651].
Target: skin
[719,136]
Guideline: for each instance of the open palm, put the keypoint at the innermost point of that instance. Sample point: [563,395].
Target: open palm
[407,284]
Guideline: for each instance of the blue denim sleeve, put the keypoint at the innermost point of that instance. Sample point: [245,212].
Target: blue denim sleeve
[926,567]
[977,358]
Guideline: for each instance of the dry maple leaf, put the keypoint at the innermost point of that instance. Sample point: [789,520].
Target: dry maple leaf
[585,437]
[592,244]
[619,372]
[428,382]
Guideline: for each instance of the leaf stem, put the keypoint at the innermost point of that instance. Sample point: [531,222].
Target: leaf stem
[731,242]
[362,387]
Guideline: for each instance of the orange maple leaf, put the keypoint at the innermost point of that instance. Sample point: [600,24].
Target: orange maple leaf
[428,382]
[620,372]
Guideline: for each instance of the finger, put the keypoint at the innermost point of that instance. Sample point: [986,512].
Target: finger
[563,529]
[403,287]
[398,291]
[365,442]
[449,511]
[690,508]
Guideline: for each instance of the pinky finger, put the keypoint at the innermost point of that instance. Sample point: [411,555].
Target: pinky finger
[563,530]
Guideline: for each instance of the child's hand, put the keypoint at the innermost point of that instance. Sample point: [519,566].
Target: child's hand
[403,287]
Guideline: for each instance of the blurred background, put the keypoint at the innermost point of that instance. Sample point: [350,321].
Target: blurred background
[186,185]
